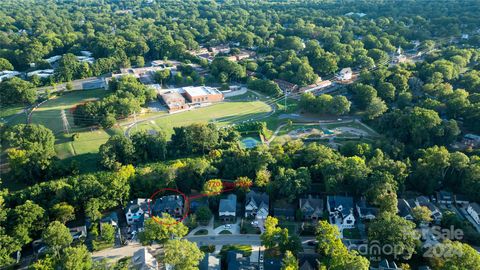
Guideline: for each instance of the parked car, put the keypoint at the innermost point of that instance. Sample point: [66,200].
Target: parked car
[228,226]
[261,258]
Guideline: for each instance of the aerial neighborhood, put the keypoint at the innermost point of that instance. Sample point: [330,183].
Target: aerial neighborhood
[240,135]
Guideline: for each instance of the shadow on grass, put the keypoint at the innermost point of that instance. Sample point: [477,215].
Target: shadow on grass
[86,163]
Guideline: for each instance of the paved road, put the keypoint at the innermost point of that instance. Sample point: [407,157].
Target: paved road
[82,84]
[117,253]
[230,239]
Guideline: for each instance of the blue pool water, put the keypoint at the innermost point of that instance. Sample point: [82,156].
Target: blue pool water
[250,142]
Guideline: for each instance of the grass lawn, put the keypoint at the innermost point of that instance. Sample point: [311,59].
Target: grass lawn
[246,250]
[225,232]
[12,114]
[201,232]
[49,113]
[224,113]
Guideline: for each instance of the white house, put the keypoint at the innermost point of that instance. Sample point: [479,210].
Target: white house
[473,209]
[7,74]
[256,205]
[42,73]
[345,74]
[340,209]
[53,59]
[136,209]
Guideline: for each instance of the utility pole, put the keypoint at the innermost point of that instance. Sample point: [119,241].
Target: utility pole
[66,125]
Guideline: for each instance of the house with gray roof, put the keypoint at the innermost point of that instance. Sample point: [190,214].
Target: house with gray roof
[209,262]
[404,209]
[425,201]
[256,205]
[136,209]
[283,209]
[473,209]
[143,260]
[340,209]
[444,197]
[227,210]
[311,207]
[236,261]
[171,204]
[365,210]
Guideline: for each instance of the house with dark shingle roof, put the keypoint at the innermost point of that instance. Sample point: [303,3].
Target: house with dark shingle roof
[209,262]
[283,209]
[171,204]
[404,209]
[340,209]
[235,261]
[227,210]
[365,210]
[256,205]
[473,209]
[444,197]
[311,207]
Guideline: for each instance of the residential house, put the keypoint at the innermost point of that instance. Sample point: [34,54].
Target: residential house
[345,74]
[340,209]
[143,260]
[209,262]
[388,265]
[284,210]
[312,208]
[7,74]
[272,264]
[227,210]
[473,209]
[405,209]
[78,233]
[286,87]
[424,201]
[444,197]
[256,205]
[308,261]
[461,199]
[365,210]
[136,209]
[111,218]
[471,140]
[171,204]
[42,73]
[235,261]
[53,59]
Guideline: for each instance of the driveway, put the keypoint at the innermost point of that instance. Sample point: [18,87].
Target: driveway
[234,228]
[209,228]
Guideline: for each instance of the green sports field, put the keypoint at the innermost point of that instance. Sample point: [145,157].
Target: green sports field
[224,113]
[49,113]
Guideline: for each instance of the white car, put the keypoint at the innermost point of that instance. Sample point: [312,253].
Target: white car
[228,226]
[261,258]
[255,223]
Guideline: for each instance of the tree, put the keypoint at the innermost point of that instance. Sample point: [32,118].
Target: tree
[273,236]
[92,209]
[161,229]
[456,255]
[63,212]
[182,254]
[108,233]
[5,64]
[394,231]
[118,150]
[386,91]
[291,183]
[194,139]
[57,237]
[76,258]
[243,183]
[339,105]
[289,262]
[363,95]
[26,218]
[161,75]
[204,214]
[262,178]
[376,108]
[17,91]
[31,150]
[212,187]
[333,253]
[422,214]
[149,147]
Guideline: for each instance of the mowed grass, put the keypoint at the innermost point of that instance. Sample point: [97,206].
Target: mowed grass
[224,113]
[49,113]
[12,114]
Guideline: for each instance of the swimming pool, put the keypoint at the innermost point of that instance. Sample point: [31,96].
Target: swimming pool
[327,131]
[250,142]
